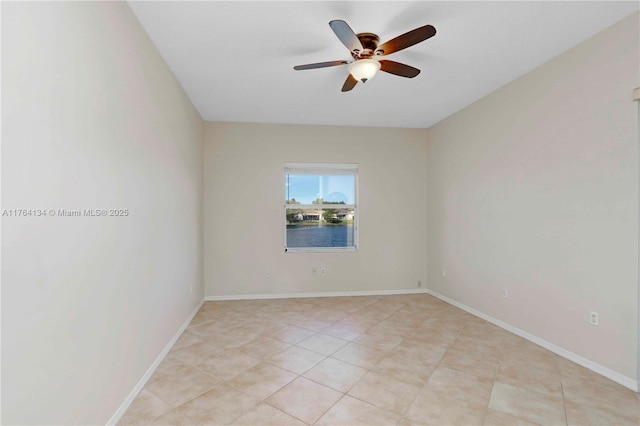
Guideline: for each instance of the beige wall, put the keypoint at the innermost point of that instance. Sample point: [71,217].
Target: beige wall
[92,118]
[244,214]
[535,189]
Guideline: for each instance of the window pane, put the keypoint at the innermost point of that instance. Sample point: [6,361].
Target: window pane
[333,228]
[319,189]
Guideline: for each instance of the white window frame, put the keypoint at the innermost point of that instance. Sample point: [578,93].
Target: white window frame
[323,169]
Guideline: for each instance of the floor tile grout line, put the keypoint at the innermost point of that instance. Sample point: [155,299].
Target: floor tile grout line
[564,402]
[186,402]
[374,405]
[329,409]
[424,385]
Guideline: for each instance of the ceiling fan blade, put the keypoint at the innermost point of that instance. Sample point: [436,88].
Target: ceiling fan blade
[346,35]
[349,83]
[319,65]
[397,68]
[407,39]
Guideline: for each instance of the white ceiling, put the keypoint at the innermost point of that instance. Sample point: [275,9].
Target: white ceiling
[235,59]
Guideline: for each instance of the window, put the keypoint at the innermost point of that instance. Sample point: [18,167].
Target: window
[320,207]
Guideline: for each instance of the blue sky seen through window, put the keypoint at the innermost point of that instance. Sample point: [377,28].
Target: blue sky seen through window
[331,188]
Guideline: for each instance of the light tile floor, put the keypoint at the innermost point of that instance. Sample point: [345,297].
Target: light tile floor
[393,360]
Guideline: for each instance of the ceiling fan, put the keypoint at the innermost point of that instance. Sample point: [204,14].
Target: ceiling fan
[365,51]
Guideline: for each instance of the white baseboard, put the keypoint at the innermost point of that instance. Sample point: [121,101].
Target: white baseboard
[593,366]
[321,294]
[143,381]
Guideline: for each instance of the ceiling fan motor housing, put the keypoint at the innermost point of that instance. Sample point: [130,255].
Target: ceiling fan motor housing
[369,43]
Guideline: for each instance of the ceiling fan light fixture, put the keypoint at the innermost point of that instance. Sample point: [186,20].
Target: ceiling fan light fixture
[364,69]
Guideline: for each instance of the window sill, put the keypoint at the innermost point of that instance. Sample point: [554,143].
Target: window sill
[320,249]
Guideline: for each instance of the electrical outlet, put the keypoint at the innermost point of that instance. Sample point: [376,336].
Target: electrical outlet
[314,271]
[505,293]
[267,274]
[323,271]
[593,318]
[419,284]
